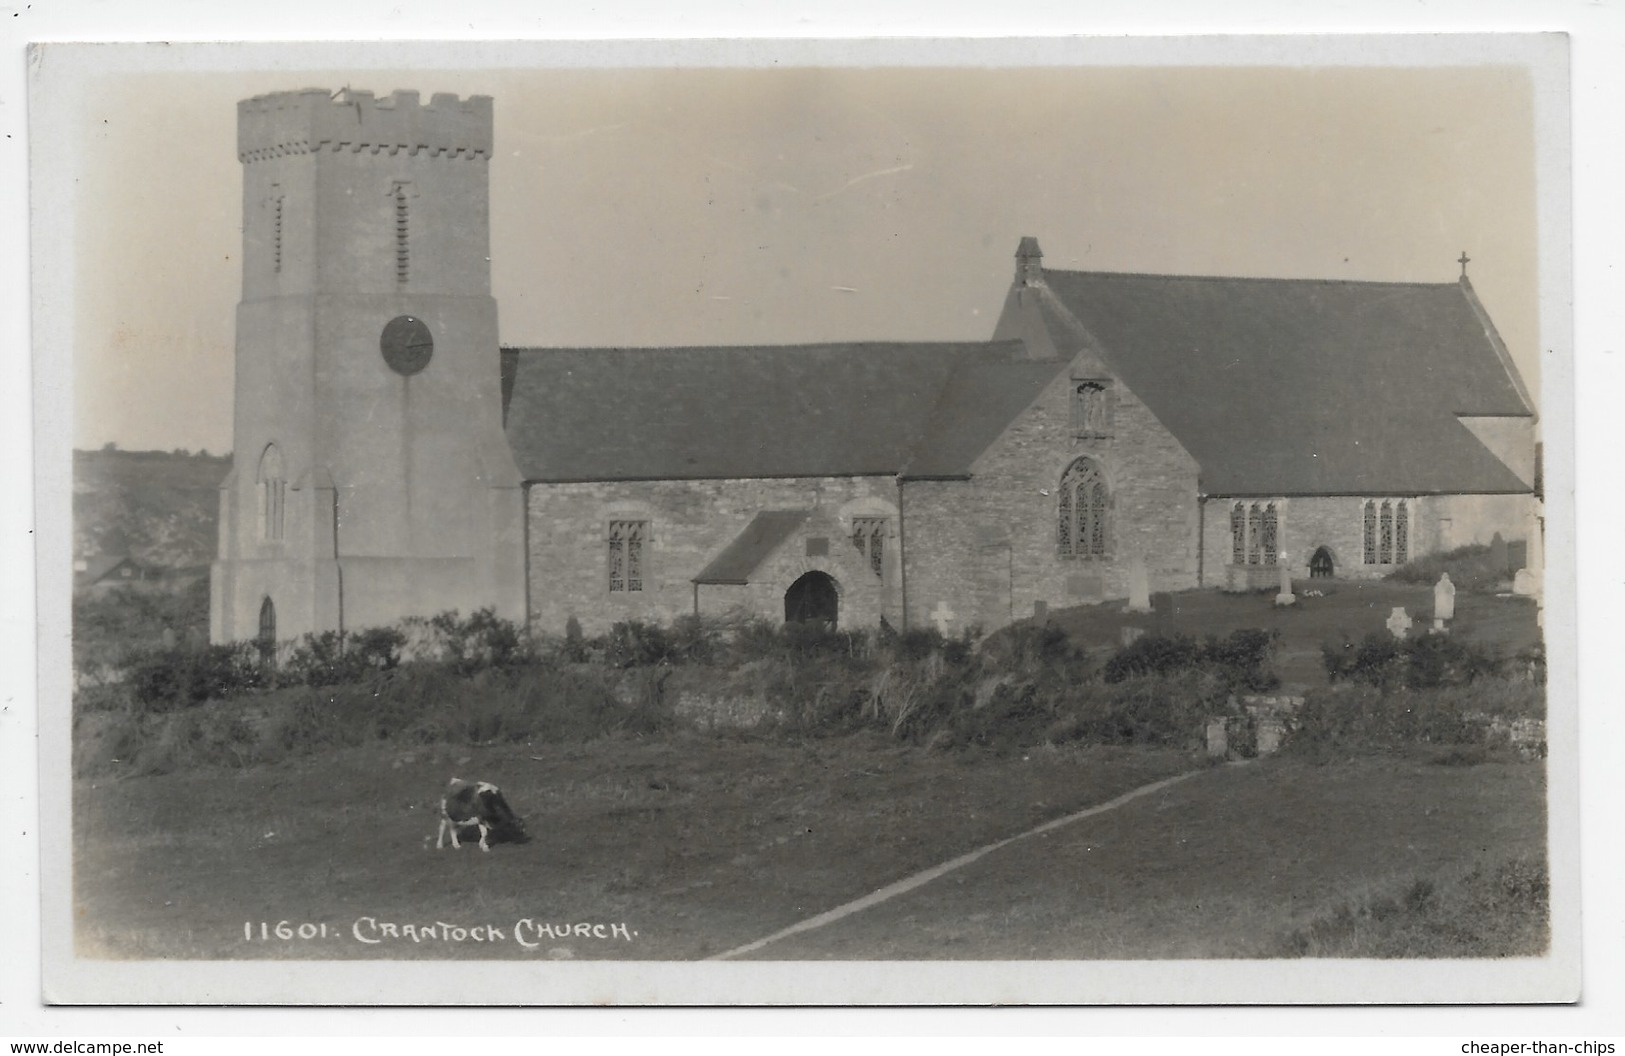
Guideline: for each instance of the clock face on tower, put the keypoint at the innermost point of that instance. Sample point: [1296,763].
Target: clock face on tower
[407,344]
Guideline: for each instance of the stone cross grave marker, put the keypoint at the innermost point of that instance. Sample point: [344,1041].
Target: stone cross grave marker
[1444,601]
[1285,596]
[943,617]
[1139,585]
[1398,622]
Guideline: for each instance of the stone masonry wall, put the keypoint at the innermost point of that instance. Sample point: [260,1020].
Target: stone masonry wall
[1437,522]
[986,551]
[690,522]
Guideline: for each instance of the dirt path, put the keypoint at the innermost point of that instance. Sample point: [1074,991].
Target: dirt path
[1222,866]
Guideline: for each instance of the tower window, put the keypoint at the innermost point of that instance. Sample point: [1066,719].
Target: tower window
[273,488]
[625,546]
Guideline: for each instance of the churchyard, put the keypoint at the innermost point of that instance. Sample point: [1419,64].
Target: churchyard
[665,825]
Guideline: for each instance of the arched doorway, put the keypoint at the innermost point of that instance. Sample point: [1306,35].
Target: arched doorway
[266,639]
[813,598]
[1320,564]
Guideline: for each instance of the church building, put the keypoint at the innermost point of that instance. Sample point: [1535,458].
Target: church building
[390,460]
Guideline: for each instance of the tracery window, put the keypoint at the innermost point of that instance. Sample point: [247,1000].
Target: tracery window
[869,536]
[1386,528]
[1085,507]
[625,545]
[1091,408]
[1255,533]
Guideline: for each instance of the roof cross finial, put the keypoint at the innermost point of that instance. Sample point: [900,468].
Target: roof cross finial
[1463,262]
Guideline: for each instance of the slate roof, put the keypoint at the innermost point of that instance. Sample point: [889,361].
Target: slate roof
[766,532]
[598,414]
[1303,387]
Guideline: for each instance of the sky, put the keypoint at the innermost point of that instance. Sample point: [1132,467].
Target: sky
[784,205]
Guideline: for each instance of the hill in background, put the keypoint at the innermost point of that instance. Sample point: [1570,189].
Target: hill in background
[159,508]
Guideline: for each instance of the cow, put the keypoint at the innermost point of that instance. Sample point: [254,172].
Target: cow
[477,803]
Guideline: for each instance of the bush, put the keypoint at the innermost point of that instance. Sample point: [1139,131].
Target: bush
[1241,660]
[167,679]
[1427,662]
[1365,717]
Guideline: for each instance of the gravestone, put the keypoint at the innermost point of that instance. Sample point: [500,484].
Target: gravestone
[1525,582]
[943,617]
[1500,560]
[1129,634]
[1444,602]
[1218,740]
[1398,622]
[1139,585]
[1041,612]
[1270,732]
[1285,596]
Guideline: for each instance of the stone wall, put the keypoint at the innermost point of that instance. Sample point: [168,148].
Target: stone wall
[1437,522]
[982,552]
[689,524]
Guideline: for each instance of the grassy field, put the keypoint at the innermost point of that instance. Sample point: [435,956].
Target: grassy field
[697,844]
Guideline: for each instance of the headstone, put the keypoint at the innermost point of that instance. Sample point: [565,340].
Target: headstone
[1130,634]
[1218,740]
[1398,622]
[1041,612]
[1270,732]
[1525,582]
[1139,585]
[169,637]
[1444,599]
[943,617]
[1285,596]
[1499,559]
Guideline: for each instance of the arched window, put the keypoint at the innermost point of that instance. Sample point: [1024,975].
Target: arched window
[626,539]
[1255,533]
[273,494]
[1085,507]
[1387,530]
[266,639]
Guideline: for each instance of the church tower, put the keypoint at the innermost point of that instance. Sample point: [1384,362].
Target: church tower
[371,479]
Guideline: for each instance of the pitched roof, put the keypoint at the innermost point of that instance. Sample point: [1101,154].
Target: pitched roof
[978,403]
[739,412]
[766,532]
[1291,387]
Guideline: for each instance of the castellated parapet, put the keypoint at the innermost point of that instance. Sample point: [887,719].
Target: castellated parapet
[303,122]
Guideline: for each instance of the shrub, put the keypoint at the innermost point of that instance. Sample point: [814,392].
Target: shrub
[184,676]
[1241,660]
[1426,662]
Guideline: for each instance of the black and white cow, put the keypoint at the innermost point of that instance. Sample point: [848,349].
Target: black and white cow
[477,803]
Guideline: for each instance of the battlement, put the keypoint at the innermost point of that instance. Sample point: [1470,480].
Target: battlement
[314,119]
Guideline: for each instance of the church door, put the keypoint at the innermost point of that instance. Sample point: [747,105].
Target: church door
[812,599]
[1320,565]
[267,636]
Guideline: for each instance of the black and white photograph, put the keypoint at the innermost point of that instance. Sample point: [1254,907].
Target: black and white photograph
[1051,521]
